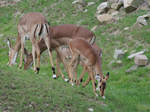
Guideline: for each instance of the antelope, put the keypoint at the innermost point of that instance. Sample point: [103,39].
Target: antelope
[99,55]
[89,57]
[60,35]
[66,56]
[32,25]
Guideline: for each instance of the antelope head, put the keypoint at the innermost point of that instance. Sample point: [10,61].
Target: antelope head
[12,54]
[102,84]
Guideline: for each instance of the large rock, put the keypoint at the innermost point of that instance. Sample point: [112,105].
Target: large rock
[141,60]
[141,20]
[117,5]
[103,8]
[104,18]
[131,5]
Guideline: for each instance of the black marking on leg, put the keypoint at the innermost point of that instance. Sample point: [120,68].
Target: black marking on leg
[46,28]
[41,30]
[37,69]
[53,70]
[95,84]
[81,80]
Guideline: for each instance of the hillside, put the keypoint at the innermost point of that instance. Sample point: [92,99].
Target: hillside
[25,91]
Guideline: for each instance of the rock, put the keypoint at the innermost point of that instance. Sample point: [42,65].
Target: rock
[135,54]
[118,54]
[91,109]
[141,20]
[85,10]
[116,6]
[141,60]
[90,3]
[112,1]
[148,2]
[126,28]
[103,8]
[131,5]
[147,16]
[115,15]
[94,28]
[144,6]
[104,18]
[119,62]
[81,2]
[131,69]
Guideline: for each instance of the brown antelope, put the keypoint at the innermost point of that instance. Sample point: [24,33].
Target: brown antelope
[31,25]
[61,35]
[99,55]
[89,57]
[66,56]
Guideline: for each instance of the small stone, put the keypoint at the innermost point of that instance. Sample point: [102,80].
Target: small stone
[126,28]
[103,7]
[90,3]
[91,109]
[131,69]
[85,10]
[135,54]
[94,28]
[141,60]
[118,54]
[119,62]
[105,18]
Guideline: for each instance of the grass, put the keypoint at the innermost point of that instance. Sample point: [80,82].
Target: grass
[24,91]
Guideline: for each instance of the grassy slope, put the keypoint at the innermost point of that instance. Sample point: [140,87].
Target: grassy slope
[25,91]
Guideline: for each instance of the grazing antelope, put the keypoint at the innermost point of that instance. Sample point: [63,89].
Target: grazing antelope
[61,35]
[32,25]
[99,55]
[89,57]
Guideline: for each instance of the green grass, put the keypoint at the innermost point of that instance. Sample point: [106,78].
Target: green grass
[24,91]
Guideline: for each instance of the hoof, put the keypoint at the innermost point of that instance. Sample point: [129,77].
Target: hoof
[66,80]
[37,70]
[96,94]
[72,84]
[54,76]
[103,97]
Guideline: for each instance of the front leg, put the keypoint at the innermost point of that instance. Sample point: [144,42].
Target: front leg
[74,57]
[93,83]
[22,51]
[82,75]
[58,67]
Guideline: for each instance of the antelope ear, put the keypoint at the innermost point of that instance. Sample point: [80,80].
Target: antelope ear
[107,76]
[9,43]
